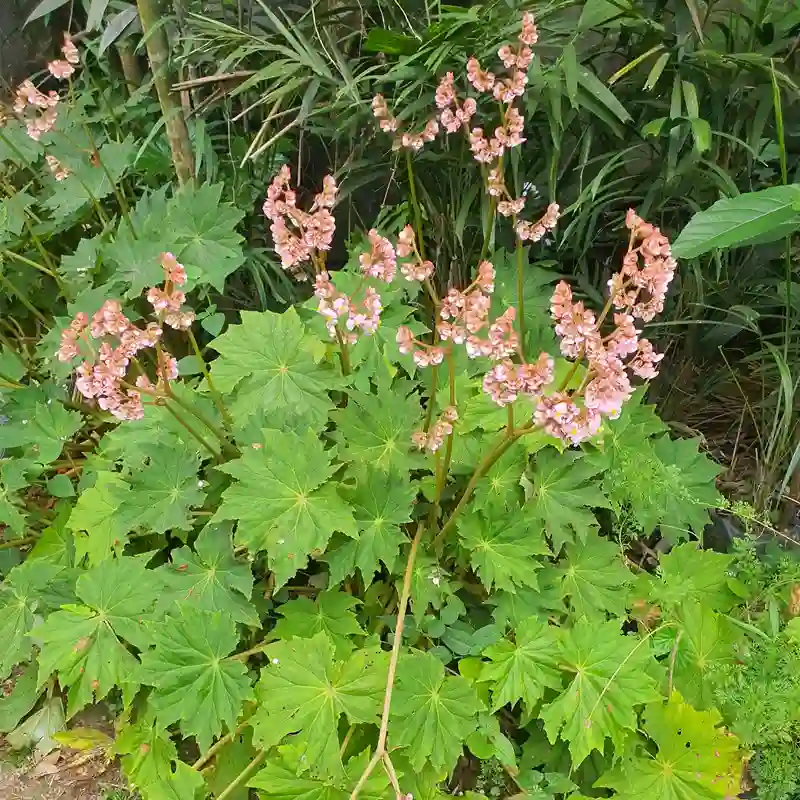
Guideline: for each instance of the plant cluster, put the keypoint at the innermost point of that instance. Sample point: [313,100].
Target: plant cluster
[370,545]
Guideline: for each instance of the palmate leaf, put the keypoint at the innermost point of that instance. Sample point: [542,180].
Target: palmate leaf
[689,573]
[612,676]
[432,714]
[99,525]
[564,491]
[382,502]
[706,648]
[45,431]
[523,669]
[151,764]
[268,364]
[196,683]
[376,429]
[83,643]
[331,613]
[284,502]
[162,493]
[12,479]
[502,546]
[696,758]
[304,690]
[282,779]
[594,578]
[501,486]
[19,600]
[210,578]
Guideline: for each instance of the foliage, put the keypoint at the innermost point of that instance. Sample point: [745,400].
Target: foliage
[220,532]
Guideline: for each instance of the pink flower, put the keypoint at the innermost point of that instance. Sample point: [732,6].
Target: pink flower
[535,231]
[644,363]
[69,337]
[529,35]
[109,320]
[327,197]
[173,270]
[534,377]
[486,275]
[508,89]
[445,93]
[623,340]
[406,242]
[510,208]
[69,50]
[609,389]
[380,110]
[60,172]
[417,270]
[405,340]
[381,261]
[482,81]
[60,69]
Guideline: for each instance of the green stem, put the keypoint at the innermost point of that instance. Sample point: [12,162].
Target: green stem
[230,450]
[193,432]
[40,267]
[215,395]
[441,477]
[344,353]
[521,298]
[243,776]
[26,540]
[510,417]
[412,187]
[487,234]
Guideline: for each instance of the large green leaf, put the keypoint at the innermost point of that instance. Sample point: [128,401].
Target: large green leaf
[382,502]
[163,493]
[331,613]
[376,429]
[696,759]
[19,600]
[563,493]
[284,502]
[594,578]
[49,427]
[196,683]
[432,713]
[503,546]
[612,677]
[750,218]
[268,363]
[210,577]
[99,525]
[83,643]
[304,690]
[523,669]
[284,778]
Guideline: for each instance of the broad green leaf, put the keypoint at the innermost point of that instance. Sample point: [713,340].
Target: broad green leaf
[97,521]
[331,613]
[268,364]
[283,501]
[14,214]
[284,778]
[163,493]
[612,676]
[689,573]
[501,486]
[303,691]
[16,705]
[204,227]
[12,514]
[376,429]
[564,491]
[382,502]
[432,714]
[696,757]
[502,547]
[56,544]
[151,764]
[39,729]
[115,27]
[706,647]
[83,643]
[196,683]
[753,217]
[524,669]
[230,761]
[210,578]
[594,578]
[19,600]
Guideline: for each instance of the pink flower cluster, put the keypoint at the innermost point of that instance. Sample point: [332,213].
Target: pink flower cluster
[104,378]
[453,115]
[63,69]
[60,172]
[44,105]
[651,278]
[607,383]
[168,302]
[417,269]
[434,437]
[333,305]
[298,234]
[390,124]
[535,231]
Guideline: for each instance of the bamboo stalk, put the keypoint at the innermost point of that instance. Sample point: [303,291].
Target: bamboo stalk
[155,38]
